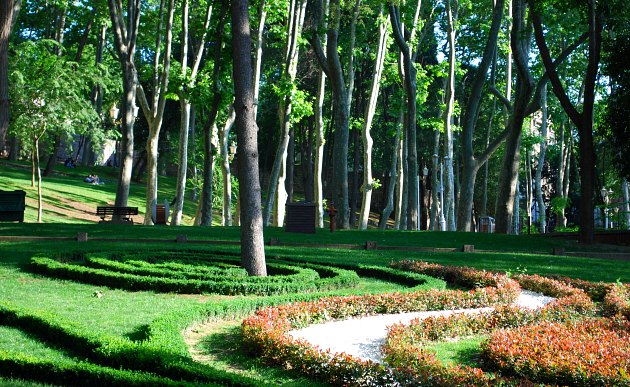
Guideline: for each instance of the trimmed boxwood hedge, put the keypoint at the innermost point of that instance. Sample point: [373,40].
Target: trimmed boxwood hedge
[113,271]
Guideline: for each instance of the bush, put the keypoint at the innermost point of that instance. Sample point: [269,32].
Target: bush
[591,352]
[265,333]
[180,278]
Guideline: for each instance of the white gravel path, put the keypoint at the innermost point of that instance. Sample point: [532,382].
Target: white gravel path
[363,337]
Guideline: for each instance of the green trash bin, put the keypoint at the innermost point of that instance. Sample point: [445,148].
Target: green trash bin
[12,206]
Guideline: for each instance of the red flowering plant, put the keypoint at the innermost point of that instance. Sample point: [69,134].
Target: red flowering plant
[266,332]
[583,353]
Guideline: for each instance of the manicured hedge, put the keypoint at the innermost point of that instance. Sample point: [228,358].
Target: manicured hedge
[112,273]
[265,333]
[578,353]
[405,344]
[19,365]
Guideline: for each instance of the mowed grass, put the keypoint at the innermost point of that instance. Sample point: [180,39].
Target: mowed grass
[127,314]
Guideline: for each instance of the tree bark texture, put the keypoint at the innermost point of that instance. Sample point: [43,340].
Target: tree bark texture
[520,41]
[252,243]
[409,81]
[584,120]
[368,181]
[470,162]
[8,13]
[125,34]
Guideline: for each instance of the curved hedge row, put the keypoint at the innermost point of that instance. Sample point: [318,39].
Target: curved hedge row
[405,344]
[266,332]
[181,277]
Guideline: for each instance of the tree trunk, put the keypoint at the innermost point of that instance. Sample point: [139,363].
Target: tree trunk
[583,120]
[208,165]
[252,243]
[288,184]
[8,14]
[409,81]
[393,174]
[449,188]
[541,163]
[626,201]
[226,216]
[331,65]
[125,35]
[276,191]
[520,40]
[318,186]
[368,182]
[470,162]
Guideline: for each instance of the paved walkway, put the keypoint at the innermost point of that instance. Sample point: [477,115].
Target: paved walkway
[363,337]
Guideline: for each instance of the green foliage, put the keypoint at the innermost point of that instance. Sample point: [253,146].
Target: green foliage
[127,272]
[559,204]
[50,95]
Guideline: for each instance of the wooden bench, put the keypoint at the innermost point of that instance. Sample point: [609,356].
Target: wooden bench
[124,212]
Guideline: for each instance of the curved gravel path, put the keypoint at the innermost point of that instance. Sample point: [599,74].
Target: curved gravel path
[363,337]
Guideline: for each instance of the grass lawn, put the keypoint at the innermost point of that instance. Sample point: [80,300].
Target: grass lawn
[133,317]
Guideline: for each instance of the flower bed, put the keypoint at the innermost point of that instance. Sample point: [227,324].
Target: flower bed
[265,333]
[405,344]
[591,352]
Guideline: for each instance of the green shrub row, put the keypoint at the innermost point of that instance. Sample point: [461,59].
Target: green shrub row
[18,365]
[307,280]
[297,274]
[163,353]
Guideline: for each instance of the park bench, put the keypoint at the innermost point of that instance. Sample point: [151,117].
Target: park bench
[123,212]
[12,206]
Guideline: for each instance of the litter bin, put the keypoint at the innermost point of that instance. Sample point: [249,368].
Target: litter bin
[300,218]
[160,213]
[486,224]
[12,206]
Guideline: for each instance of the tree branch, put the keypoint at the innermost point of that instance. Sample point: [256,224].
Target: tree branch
[556,84]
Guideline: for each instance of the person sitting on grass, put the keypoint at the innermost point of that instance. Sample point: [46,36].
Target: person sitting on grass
[93,179]
[69,163]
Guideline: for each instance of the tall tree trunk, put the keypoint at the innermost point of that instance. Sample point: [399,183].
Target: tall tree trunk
[8,14]
[520,41]
[125,34]
[470,162]
[561,220]
[541,163]
[252,243]
[584,120]
[208,164]
[154,111]
[276,191]
[449,188]
[331,65]
[224,139]
[393,175]
[186,127]
[368,182]
[409,80]
[318,186]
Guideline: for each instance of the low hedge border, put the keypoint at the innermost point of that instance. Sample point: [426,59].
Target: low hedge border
[265,333]
[297,274]
[18,365]
[404,350]
[163,353]
[306,279]
[578,353]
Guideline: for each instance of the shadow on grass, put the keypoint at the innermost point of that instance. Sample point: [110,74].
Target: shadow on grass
[222,348]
